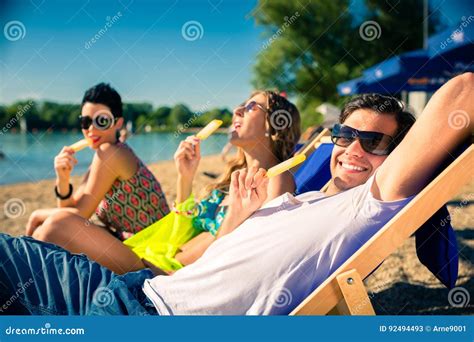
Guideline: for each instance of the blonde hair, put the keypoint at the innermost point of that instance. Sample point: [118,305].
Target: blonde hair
[283,119]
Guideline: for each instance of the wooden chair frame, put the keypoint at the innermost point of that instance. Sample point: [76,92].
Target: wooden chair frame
[344,291]
[310,147]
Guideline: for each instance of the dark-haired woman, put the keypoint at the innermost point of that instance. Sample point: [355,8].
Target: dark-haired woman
[118,187]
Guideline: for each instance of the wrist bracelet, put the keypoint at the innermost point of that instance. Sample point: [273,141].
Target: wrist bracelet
[58,195]
[188,213]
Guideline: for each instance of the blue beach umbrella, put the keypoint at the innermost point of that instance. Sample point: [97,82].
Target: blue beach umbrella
[389,76]
[449,53]
[350,87]
[454,44]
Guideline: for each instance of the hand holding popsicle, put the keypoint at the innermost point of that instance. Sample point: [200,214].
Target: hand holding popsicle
[64,162]
[187,157]
[188,154]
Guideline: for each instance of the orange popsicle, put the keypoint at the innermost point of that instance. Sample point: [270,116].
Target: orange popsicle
[80,145]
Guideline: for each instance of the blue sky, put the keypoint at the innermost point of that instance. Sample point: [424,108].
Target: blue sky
[143,54]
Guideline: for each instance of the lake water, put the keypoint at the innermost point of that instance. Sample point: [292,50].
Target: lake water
[30,157]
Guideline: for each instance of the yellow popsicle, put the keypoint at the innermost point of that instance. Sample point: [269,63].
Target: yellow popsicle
[80,145]
[286,165]
[209,129]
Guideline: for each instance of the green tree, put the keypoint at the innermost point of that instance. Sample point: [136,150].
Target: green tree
[141,122]
[401,22]
[203,119]
[3,116]
[58,116]
[222,114]
[131,111]
[179,115]
[226,117]
[72,121]
[27,109]
[311,46]
[160,116]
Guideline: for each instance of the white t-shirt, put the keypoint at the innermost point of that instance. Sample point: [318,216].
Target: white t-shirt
[276,258]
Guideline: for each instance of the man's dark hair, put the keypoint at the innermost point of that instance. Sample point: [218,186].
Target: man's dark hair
[103,93]
[385,105]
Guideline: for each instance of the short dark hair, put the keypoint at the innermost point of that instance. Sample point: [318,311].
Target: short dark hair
[386,105]
[103,93]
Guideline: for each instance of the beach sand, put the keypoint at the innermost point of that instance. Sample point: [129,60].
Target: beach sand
[402,285]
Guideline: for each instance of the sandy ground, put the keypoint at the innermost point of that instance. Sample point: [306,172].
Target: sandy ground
[400,286]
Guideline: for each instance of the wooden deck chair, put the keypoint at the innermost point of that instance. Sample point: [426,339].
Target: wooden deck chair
[344,292]
[311,145]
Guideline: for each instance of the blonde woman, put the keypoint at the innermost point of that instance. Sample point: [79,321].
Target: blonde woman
[266,129]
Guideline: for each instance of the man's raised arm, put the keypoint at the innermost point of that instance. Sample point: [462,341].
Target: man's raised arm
[447,120]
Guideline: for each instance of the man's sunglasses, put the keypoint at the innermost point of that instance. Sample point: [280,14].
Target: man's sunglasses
[375,143]
[251,106]
[100,121]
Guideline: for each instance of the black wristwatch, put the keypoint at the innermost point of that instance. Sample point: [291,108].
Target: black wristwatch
[58,195]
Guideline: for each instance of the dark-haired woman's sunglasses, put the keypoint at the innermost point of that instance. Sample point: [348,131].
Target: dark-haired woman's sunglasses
[375,143]
[85,121]
[100,121]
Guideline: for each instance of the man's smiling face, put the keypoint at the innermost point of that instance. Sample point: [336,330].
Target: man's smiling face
[352,166]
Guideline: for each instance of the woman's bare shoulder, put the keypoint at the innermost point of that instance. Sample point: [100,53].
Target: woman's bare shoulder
[123,160]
